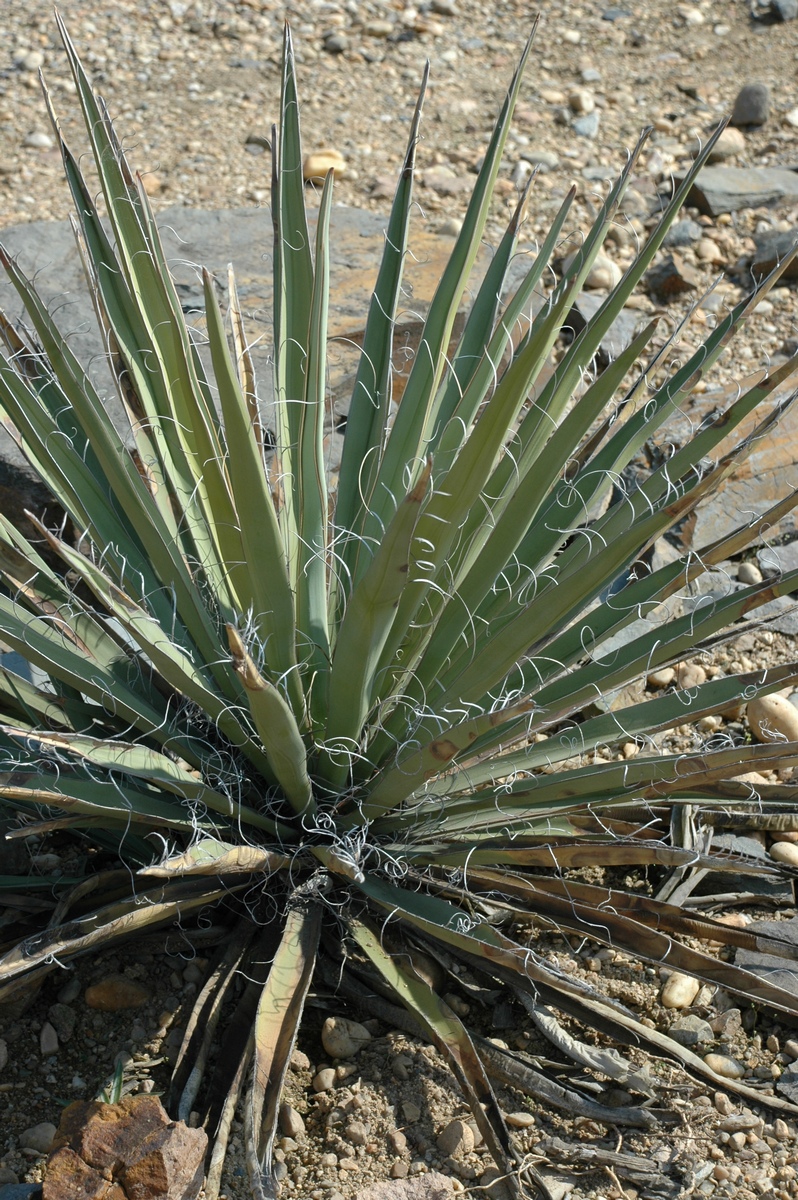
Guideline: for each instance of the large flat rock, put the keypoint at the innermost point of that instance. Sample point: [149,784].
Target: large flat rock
[727,189]
[193,239]
[769,473]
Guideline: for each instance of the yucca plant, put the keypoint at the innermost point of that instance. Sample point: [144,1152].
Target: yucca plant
[359,714]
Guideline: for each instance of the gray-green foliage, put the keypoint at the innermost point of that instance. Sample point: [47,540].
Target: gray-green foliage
[328,702]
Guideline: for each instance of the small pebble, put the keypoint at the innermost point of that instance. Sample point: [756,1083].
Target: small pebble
[38,140]
[399,1169]
[723,1104]
[48,1040]
[398,1141]
[33,61]
[662,678]
[730,143]
[315,166]
[70,991]
[356,1133]
[324,1080]
[785,852]
[520,1120]
[457,1138]
[690,675]
[752,106]
[749,573]
[773,719]
[115,993]
[725,1066]
[581,100]
[38,1137]
[343,1038]
[679,991]
[291,1122]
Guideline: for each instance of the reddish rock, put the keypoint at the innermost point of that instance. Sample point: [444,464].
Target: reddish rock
[170,1166]
[108,1135]
[125,1151]
[116,992]
[70,1178]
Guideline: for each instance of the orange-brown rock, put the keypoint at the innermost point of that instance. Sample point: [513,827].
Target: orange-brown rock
[69,1178]
[105,1135]
[116,992]
[125,1151]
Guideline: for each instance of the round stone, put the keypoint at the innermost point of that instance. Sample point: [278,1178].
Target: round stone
[38,140]
[38,1137]
[291,1122]
[324,1080]
[773,719]
[343,1038]
[115,993]
[679,991]
[725,1066]
[690,675]
[457,1138]
[785,852]
[748,572]
[752,106]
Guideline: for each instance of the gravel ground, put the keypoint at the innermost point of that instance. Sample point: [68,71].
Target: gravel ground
[193,88]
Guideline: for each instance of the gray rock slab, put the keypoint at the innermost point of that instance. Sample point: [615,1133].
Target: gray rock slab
[771,248]
[193,239]
[619,335]
[787,1084]
[21,1191]
[683,233]
[724,882]
[432,1186]
[726,189]
[781,972]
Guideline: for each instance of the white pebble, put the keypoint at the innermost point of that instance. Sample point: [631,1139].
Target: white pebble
[785,852]
[324,1080]
[581,100]
[679,991]
[749,572]
[773,719]
[520,1120]
[39,140]
[690,675]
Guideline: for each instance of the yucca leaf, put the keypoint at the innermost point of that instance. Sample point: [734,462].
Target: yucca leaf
[261,575]
[277,728]
[276,1022]
[367,622]
[368,408]
[311,481]
[418,414]
[448,1033]
[108,924]
[293,289]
